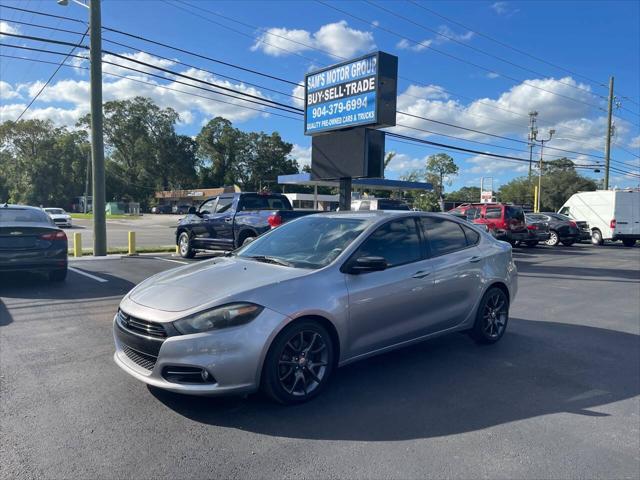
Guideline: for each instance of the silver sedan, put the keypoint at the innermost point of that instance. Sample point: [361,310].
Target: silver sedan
[283,312]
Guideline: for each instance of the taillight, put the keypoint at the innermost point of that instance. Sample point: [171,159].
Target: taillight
[274,220]
[612,223]
[59,235]
[532,227]
[575,225]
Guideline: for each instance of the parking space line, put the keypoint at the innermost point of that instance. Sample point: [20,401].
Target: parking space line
[97,279]
[170,260]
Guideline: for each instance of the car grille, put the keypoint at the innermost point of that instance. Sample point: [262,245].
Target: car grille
[59,220]
[144,327]
[145,361]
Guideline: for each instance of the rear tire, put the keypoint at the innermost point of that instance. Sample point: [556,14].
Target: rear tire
[531,244]
[299,363]
[553,239]
[492,317]
[58,275]
[628,242]
[184,246]
[596,237]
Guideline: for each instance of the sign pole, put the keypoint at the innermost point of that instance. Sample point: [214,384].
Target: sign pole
[345,194]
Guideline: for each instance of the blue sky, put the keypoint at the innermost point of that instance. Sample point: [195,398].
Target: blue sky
[589,40]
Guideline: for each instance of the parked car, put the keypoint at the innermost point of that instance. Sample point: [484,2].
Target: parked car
[59,216]
[231,220]
[505,222]
[379,204]
[610,214]
[322,291]
[561,228]
[538,230]
[181,209]
[161,209]
[30,241]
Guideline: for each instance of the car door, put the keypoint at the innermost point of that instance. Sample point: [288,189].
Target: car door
[198,226]
[390,306]
[220,223]
[457,263]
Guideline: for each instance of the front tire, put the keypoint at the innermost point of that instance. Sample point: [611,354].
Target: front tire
[553,239]
[628,242]
[492,317]
[299,363]
[184,246]
[596,237]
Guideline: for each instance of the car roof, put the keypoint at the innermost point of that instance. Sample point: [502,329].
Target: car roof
[19,207]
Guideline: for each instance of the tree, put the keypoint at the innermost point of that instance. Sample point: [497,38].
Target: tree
[426,201]
[559,181]
[465,194]
[443,168]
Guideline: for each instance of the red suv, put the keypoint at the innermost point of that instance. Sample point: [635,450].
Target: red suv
[505,222]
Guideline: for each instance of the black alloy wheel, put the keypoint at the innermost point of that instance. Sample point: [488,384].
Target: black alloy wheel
[299,363]
[492,317]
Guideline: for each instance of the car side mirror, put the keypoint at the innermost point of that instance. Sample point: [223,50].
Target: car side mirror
[367,264]
[191,211]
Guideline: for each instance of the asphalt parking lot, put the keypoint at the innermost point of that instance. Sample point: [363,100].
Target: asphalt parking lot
[558,397]
[151,231]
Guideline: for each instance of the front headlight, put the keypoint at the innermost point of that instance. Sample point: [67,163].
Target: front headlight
[230,315]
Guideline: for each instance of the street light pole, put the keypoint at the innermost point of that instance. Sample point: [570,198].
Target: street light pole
[542,142]
[97,142]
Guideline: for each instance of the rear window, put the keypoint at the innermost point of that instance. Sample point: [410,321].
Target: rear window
[515,213]
[444,236]
[493,212]
[265,202]
[23,215]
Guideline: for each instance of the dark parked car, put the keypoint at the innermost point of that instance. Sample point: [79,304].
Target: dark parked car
[538,231]
[158,209]
[30,241]
[561,228]
[504,222]
[231,220]
[181,209]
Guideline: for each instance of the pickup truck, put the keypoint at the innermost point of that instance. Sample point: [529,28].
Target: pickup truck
[230,220]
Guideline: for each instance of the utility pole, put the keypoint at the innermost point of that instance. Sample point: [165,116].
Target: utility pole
[86,183]
[607,145]
[97,142]
[532,135]
[542,142]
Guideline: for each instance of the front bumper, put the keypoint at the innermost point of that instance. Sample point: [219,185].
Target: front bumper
[233,356]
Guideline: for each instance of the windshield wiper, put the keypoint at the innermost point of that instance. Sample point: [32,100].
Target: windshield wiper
[274,260]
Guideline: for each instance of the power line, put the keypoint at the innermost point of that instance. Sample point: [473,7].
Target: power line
[50,15]
[52,75]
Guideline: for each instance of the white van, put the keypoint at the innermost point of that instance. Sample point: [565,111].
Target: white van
[611,214]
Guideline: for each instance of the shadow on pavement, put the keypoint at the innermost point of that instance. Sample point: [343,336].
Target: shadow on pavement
[446,386]
[595,272]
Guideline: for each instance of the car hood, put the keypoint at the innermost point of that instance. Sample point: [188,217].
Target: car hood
[207,284]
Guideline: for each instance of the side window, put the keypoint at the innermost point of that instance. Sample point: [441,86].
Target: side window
[493,212]
[515,213]
[365,205]
[397,242]
[208,206]
[473,213]
[253,202]
[444,236]
[473,237]
[224,204]
[564,211]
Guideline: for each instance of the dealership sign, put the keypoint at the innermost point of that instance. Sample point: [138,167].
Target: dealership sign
[359,92]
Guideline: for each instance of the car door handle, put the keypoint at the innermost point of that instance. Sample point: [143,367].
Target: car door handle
[228,219]
[475,259]
[420,274]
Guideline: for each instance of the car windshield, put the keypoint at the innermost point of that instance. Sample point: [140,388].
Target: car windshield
[54,211]
[309,242]
[22,215]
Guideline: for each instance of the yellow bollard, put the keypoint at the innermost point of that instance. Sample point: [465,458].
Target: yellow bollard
[132,243]
[77,244]
[177,249]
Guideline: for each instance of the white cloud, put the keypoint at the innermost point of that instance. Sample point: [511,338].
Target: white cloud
[298,96]
[7,91]
[405,44]
[489,165]
[492,75]
[301,154]
[8,28]
[403,163]
[503,8]
[337,38]
[69,98]
[635,142]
